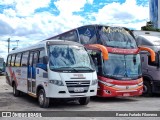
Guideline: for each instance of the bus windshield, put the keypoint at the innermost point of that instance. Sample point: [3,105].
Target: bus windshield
[69,57]
[122,66]
[116,37]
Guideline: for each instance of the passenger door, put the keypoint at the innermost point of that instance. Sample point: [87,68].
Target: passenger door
[97,59]
[32,72]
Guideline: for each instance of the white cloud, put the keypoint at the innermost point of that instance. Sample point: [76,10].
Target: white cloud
[69,6]
[10,12]
[6,2]
[20,22]
[116,13]
[25,7]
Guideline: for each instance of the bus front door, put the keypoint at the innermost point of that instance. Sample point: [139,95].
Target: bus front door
[32,72]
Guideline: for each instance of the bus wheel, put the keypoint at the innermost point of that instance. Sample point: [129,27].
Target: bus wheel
[147,90]
[42,99]
[16,92]
[84,100]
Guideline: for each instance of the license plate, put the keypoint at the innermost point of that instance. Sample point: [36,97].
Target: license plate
[126,94]
[78,89]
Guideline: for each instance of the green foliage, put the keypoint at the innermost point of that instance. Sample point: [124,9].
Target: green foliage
[149,27]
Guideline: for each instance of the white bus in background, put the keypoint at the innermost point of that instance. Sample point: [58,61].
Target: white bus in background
[52,69]
[150,70]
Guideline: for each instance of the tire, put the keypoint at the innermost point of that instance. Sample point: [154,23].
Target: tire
[42,99]
[147,89]
[84,100]
[16,92]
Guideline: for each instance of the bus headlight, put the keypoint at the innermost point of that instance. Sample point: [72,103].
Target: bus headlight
[56,82]
[141,83]
[94,82]
[107,84]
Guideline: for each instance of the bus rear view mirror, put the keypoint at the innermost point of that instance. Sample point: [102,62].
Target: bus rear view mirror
[102,48]
[152,53]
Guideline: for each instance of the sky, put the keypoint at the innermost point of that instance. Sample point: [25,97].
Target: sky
[29,21]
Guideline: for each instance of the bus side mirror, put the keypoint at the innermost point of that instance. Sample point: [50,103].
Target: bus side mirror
[45,60]
[152,53]
[103,50]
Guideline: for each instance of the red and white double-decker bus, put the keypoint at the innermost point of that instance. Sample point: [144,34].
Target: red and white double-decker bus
[121,74]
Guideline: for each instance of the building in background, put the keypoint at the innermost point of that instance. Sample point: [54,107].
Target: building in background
[154,9]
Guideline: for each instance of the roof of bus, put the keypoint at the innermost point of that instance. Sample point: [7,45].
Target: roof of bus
[43,44]
[154,40]
[86,26]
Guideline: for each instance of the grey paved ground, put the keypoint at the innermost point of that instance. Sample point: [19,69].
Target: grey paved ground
[27,103]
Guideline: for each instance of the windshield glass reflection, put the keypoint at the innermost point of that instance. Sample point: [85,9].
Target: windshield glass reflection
[69,57]
[122,66]
[116,37]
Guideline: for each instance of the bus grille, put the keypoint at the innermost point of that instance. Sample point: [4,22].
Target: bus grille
[72,85]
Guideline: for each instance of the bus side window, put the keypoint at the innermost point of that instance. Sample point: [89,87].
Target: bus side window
[13,59]
[41,56]
[42,63]
[97,61]
[17,59]
[9,61]
[142,41]
[24,59]
[71,36]
[87,35]
[35,58]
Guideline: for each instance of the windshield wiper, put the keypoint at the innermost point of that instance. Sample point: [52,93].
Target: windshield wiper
[85,67]
[113,46]
[68,67]
[112,76]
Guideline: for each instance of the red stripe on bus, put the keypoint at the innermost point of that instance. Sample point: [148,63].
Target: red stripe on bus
[13,75]
[122,51]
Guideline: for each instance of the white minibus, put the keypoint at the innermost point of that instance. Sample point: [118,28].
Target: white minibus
[52,69]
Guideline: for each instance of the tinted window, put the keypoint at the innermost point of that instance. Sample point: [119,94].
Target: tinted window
[24,59]
[116,37]
[12,61]
[142,41]
[17,60]
[9,60]
[41,55]
[71,36]
[87,35]
[35,59]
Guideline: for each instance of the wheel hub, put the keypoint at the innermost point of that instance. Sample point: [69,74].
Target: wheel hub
[41,99]
[144,89]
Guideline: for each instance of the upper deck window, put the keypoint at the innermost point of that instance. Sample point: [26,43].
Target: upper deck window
[116,37]
[71,36]
[87,35]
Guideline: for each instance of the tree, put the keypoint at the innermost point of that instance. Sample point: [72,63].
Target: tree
[149,27]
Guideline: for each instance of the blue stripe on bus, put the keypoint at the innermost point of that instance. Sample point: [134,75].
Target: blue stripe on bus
[42,66]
